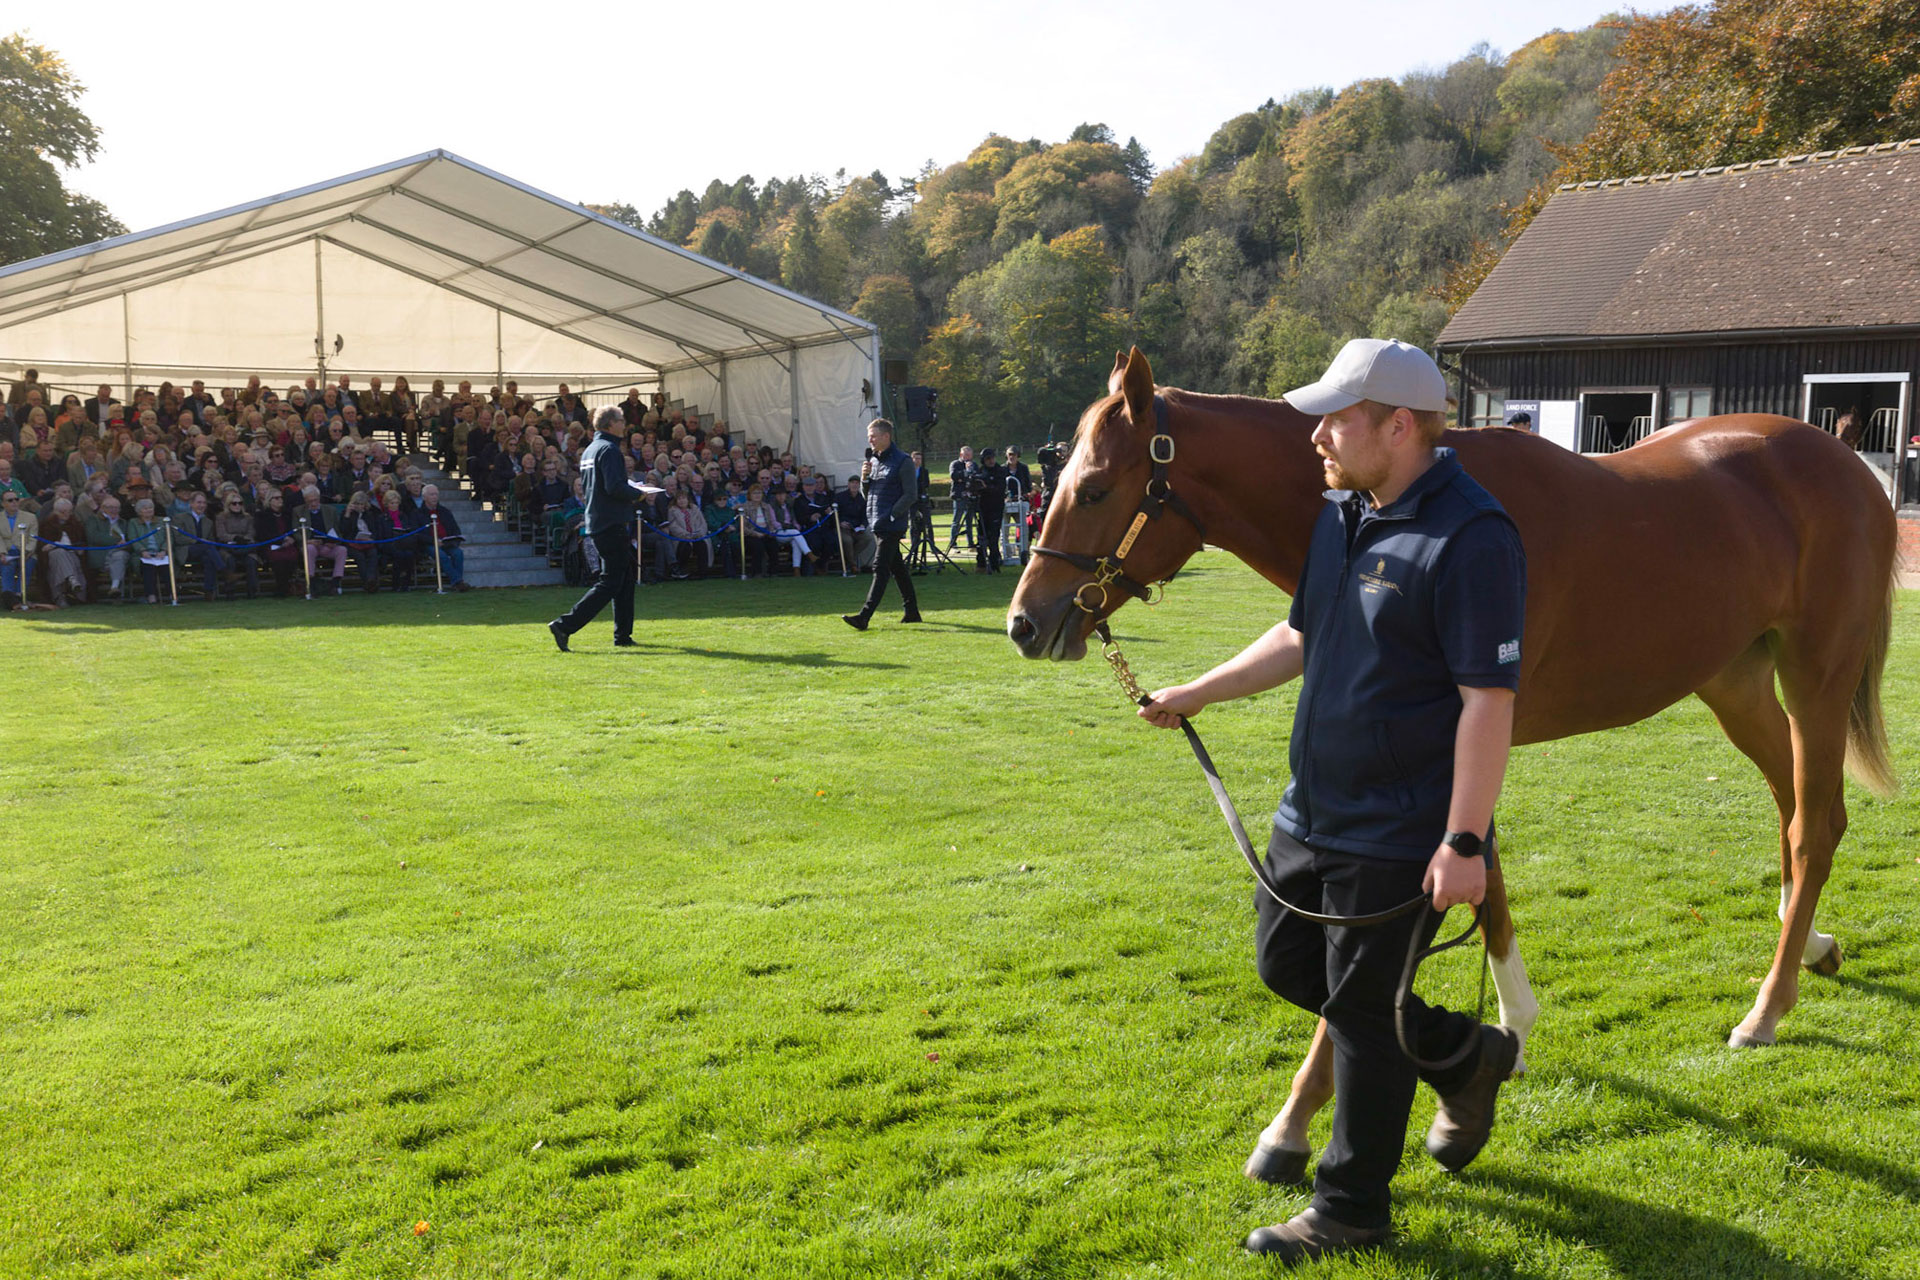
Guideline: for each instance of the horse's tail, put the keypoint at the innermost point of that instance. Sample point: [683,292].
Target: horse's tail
[1867,757]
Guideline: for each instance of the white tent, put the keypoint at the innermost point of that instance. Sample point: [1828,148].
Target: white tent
[436,267]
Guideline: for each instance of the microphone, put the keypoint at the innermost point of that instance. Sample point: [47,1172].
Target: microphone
[869,453]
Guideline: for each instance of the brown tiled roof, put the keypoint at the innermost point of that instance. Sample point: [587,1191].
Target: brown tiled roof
[1803,242]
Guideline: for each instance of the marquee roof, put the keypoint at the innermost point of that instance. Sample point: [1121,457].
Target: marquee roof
[449,223]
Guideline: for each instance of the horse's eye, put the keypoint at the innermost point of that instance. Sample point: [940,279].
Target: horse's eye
[1088,497]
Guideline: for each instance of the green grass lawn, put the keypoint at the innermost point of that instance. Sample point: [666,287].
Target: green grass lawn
[771,949]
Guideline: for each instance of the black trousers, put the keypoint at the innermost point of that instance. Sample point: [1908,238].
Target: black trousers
[618,572]
[887,561]
[989,518]
[1348,976]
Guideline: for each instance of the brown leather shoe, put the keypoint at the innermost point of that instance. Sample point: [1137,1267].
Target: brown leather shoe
[1465,1119]
[1311,1234]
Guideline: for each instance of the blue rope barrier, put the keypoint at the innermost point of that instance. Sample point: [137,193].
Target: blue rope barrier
[711,533]
[237,546]
[793,533]
[84,547]
[371,542]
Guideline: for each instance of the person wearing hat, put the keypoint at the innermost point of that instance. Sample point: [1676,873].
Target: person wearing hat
[1521,419]
[1406,630]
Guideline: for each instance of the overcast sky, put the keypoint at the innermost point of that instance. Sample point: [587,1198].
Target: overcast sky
[205,105]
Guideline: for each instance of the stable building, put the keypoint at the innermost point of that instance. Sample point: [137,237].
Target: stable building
[1787,286]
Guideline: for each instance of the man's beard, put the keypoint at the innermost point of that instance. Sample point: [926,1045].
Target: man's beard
[1364,481]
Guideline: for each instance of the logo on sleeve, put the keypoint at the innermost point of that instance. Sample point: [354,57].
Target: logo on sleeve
[1509,652]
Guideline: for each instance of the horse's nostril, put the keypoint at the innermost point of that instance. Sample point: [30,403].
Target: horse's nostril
[1020,630]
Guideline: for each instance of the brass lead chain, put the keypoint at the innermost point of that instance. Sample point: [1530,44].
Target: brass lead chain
[1110,650]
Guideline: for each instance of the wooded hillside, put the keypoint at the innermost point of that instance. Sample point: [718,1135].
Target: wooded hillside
[1009,278]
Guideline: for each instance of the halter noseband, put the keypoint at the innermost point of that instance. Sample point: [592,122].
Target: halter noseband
[1110,570]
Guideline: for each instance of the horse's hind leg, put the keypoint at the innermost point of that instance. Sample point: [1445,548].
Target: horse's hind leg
[1518,1008]
[1283,1150]
[1742,700]
[1818,672]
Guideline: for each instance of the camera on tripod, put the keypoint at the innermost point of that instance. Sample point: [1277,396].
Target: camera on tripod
[1052,454]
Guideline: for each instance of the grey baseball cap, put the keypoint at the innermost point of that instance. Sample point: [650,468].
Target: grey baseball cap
[1378,369]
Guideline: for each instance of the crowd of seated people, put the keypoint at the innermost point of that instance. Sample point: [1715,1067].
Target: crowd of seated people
[87,484]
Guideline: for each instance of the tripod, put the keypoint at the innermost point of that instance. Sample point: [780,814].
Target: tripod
[924,545]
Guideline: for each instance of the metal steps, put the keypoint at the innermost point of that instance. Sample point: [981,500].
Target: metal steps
[496,556]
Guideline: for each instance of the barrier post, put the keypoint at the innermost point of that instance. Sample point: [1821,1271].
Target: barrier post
[840,541]
[173,582]
[743,546]
[20,546]
[439,587]
[306,557]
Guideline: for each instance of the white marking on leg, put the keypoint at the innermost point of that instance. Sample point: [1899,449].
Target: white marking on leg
[1819,945]
[1518,1009]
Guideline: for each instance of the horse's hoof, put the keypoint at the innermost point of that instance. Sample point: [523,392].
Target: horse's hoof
[1519,1067]
[1282,1166]
[1829,964]
[1749,1039]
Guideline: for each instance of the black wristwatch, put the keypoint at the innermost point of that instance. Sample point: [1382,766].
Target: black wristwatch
[1464,843]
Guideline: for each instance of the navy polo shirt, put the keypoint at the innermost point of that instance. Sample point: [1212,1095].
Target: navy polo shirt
[1397,608]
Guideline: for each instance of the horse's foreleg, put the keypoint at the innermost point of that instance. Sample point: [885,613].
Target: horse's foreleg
[1283,1150]
[1518,1009]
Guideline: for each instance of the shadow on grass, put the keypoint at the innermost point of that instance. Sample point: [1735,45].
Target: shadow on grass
[821,598]
[824,597]
[1906,995]
[1640,1240]
[642,648]
[1895,1178]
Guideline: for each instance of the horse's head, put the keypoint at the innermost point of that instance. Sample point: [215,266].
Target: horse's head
[1114,525]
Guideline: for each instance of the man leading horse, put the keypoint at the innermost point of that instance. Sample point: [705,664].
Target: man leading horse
[1406,627]
[1745,559]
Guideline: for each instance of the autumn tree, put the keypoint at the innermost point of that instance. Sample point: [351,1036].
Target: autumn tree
[889,302]
[1706,85]
[802,265]
[1747,79]
[41,124]
[1337,152]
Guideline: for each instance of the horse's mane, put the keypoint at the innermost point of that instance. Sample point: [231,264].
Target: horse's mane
[1241,406]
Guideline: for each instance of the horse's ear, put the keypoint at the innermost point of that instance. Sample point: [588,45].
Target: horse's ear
[1119,368]
[1136,383]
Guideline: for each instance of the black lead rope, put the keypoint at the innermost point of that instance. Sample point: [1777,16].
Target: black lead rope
[1416,953]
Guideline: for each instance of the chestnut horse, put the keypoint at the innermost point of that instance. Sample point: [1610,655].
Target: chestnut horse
[1707,560]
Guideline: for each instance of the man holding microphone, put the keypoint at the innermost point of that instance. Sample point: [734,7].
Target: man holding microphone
[891,484]
[609,522]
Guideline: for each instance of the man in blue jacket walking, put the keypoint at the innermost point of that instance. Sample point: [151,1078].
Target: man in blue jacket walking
[892,485]
[609,522]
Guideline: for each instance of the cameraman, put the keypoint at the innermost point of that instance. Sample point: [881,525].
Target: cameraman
[891,484]
[990,502]
[1053,457]
[960,485]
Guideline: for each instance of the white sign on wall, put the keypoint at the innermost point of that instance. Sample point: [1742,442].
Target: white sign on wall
[1559,421]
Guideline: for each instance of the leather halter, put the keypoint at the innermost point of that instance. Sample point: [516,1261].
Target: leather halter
[1110,570]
